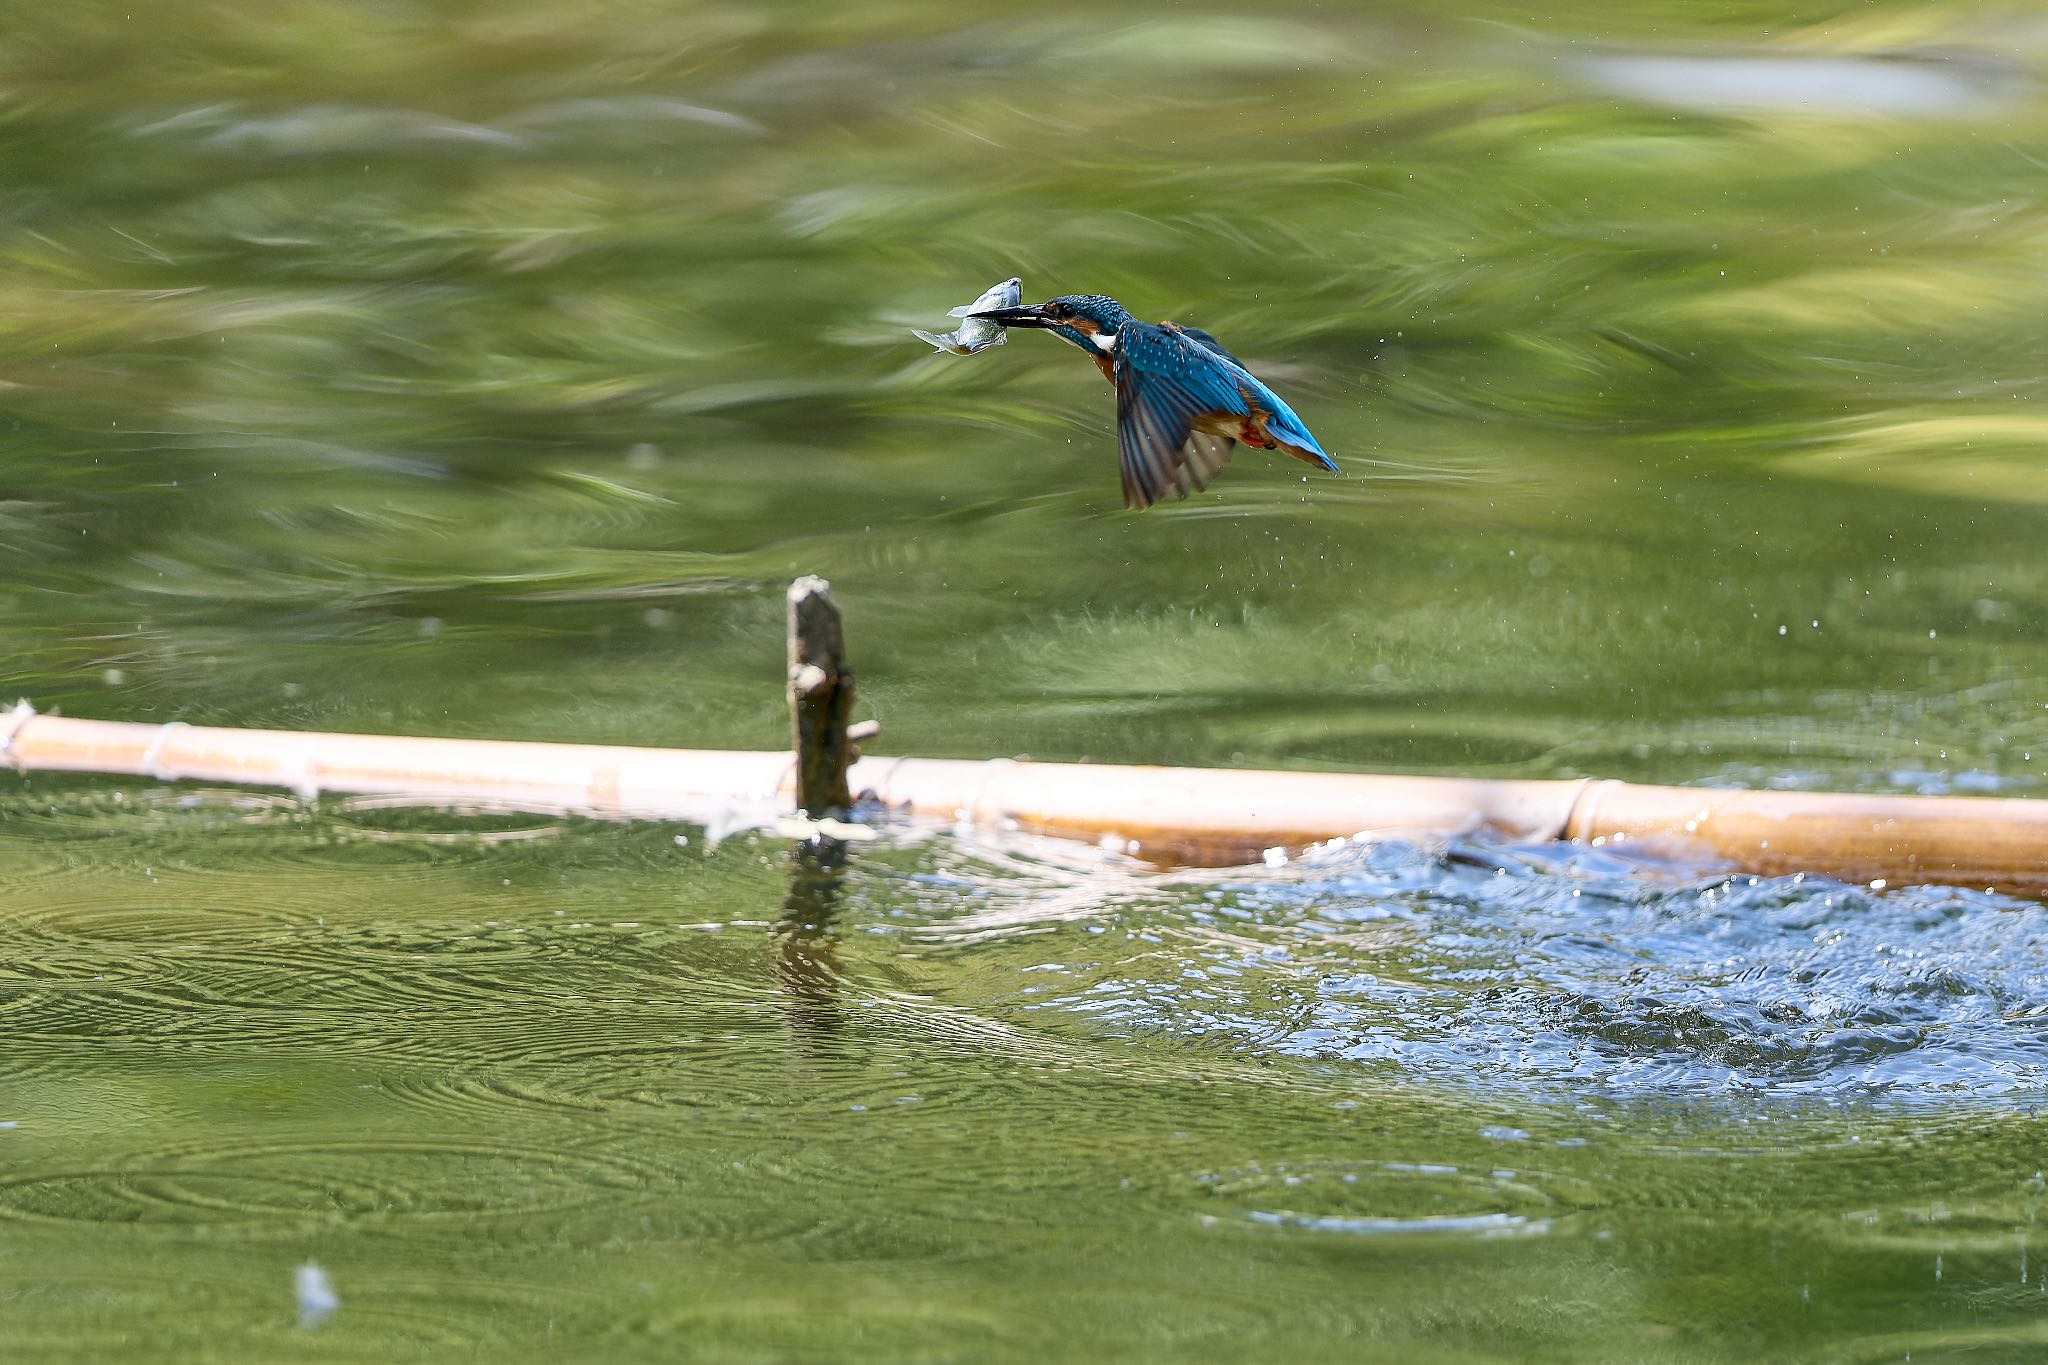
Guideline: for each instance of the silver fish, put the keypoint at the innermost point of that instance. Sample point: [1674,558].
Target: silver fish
[977,334]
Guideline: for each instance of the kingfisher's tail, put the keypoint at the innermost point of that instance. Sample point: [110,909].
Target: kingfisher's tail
[1307,454]
[1284,427]
[1287,430]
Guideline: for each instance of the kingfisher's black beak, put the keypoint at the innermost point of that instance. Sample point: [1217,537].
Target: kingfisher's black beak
[1024,315]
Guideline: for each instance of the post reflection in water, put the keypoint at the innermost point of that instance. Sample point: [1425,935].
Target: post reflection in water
[807,957]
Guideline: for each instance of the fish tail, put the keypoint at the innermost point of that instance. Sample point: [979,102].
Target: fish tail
[945,344]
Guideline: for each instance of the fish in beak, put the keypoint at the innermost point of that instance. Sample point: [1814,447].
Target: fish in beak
[975,333]
[1023,315]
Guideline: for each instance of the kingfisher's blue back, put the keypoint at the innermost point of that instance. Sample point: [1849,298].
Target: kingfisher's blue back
[1182,401]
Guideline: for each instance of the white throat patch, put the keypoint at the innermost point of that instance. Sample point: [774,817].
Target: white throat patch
[1105,341]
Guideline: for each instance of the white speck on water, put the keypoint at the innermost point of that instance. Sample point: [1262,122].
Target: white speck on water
[316,1296]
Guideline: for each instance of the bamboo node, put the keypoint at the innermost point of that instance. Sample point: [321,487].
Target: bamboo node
[152,756]
[10,725]
[1582,815]
[970,814]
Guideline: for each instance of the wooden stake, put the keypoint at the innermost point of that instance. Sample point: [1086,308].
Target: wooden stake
[820,699]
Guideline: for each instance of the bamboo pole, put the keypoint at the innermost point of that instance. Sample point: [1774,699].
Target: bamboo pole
[1996,843]
[599,780]
[1164,814]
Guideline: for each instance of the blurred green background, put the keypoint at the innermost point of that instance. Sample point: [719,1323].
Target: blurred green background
[489,370]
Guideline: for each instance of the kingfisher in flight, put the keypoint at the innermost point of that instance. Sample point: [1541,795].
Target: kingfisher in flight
[1182,401]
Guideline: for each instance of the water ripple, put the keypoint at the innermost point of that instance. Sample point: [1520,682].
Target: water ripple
[263,1182]
[1547,967]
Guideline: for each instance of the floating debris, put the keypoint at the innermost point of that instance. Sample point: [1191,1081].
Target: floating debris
[317,1299]
[977,334]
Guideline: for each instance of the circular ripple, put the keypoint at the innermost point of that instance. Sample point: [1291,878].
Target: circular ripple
[473,1095]
[268,1182]
[1311,1194]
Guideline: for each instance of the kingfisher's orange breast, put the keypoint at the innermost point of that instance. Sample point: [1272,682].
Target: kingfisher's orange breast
[1249,428]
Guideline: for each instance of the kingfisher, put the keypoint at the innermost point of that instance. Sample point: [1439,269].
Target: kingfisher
[1182,401]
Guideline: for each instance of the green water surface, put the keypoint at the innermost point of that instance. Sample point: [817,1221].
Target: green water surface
[489,370]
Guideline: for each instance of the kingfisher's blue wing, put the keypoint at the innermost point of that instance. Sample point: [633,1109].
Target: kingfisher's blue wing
[1165,385]
[1198,335]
